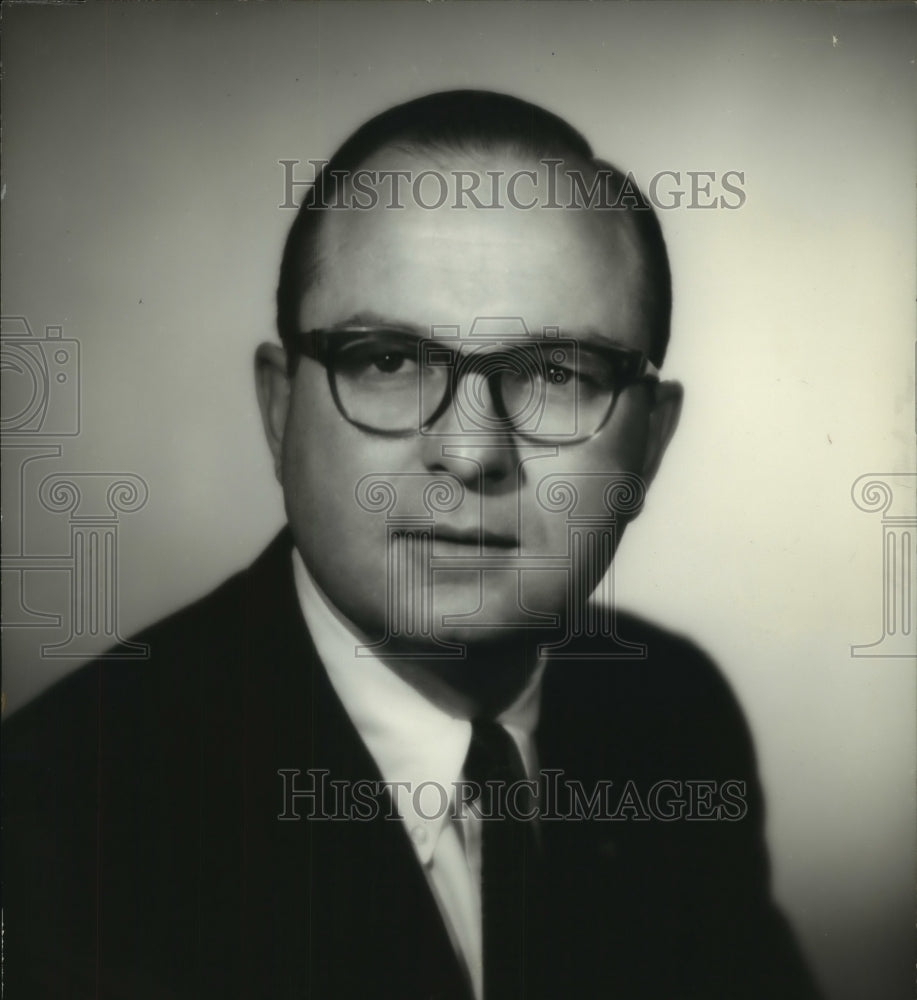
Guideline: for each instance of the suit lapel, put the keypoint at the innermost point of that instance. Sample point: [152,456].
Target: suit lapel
[344,902]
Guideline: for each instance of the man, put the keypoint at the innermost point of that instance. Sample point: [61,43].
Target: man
[464,411]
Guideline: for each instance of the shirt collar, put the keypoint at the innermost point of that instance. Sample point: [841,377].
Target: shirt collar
[411,739]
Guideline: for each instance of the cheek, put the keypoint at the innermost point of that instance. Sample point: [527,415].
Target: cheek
[319,473]
[621,445]
[305,451]
[342,543]
[585,483]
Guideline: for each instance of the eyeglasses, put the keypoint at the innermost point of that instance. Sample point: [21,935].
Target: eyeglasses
[391,382]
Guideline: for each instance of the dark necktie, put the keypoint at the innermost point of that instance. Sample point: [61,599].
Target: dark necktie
[507,853]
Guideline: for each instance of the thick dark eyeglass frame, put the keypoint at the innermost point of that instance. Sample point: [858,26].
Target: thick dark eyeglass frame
[323,343]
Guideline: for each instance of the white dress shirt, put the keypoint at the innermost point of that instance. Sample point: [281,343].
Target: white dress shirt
[414,741]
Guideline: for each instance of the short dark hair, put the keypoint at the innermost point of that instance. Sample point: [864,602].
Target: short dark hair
[467,121]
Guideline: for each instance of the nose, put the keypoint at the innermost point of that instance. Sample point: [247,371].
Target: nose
[472,439]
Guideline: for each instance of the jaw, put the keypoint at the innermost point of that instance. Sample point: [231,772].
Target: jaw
[482,678]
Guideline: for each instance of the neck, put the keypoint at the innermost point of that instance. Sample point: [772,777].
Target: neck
[482,682]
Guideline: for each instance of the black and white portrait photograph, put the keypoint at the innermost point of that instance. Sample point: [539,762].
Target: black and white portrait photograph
[459,500]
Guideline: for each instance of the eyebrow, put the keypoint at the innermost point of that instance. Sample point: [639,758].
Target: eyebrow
[588,337]
[368,318]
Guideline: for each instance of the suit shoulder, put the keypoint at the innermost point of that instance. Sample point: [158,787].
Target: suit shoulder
[652,688]
[670,655]
[644,651]
[183,649]
[239,604]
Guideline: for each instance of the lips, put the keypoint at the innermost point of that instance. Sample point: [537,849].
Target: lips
[475,538]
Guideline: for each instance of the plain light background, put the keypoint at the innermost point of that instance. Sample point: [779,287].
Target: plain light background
[141,196]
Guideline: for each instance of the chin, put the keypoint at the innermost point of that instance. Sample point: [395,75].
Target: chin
[500,648]
[495,611]
[472,609]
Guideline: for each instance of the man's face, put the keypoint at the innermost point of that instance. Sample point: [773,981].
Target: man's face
[475,270]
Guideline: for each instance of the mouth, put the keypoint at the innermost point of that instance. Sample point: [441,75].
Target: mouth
[475,538]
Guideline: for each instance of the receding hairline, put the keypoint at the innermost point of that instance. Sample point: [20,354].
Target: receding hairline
[509,129]
[450,164]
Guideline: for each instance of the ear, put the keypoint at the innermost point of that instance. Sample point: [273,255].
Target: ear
[272,385]
[663,419]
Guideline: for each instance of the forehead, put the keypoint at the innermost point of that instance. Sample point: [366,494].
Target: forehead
[580,270]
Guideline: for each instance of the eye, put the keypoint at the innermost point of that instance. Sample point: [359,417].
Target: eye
[390,361]
[374,358]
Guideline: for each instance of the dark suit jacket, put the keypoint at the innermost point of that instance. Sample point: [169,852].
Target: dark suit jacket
[144,857]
